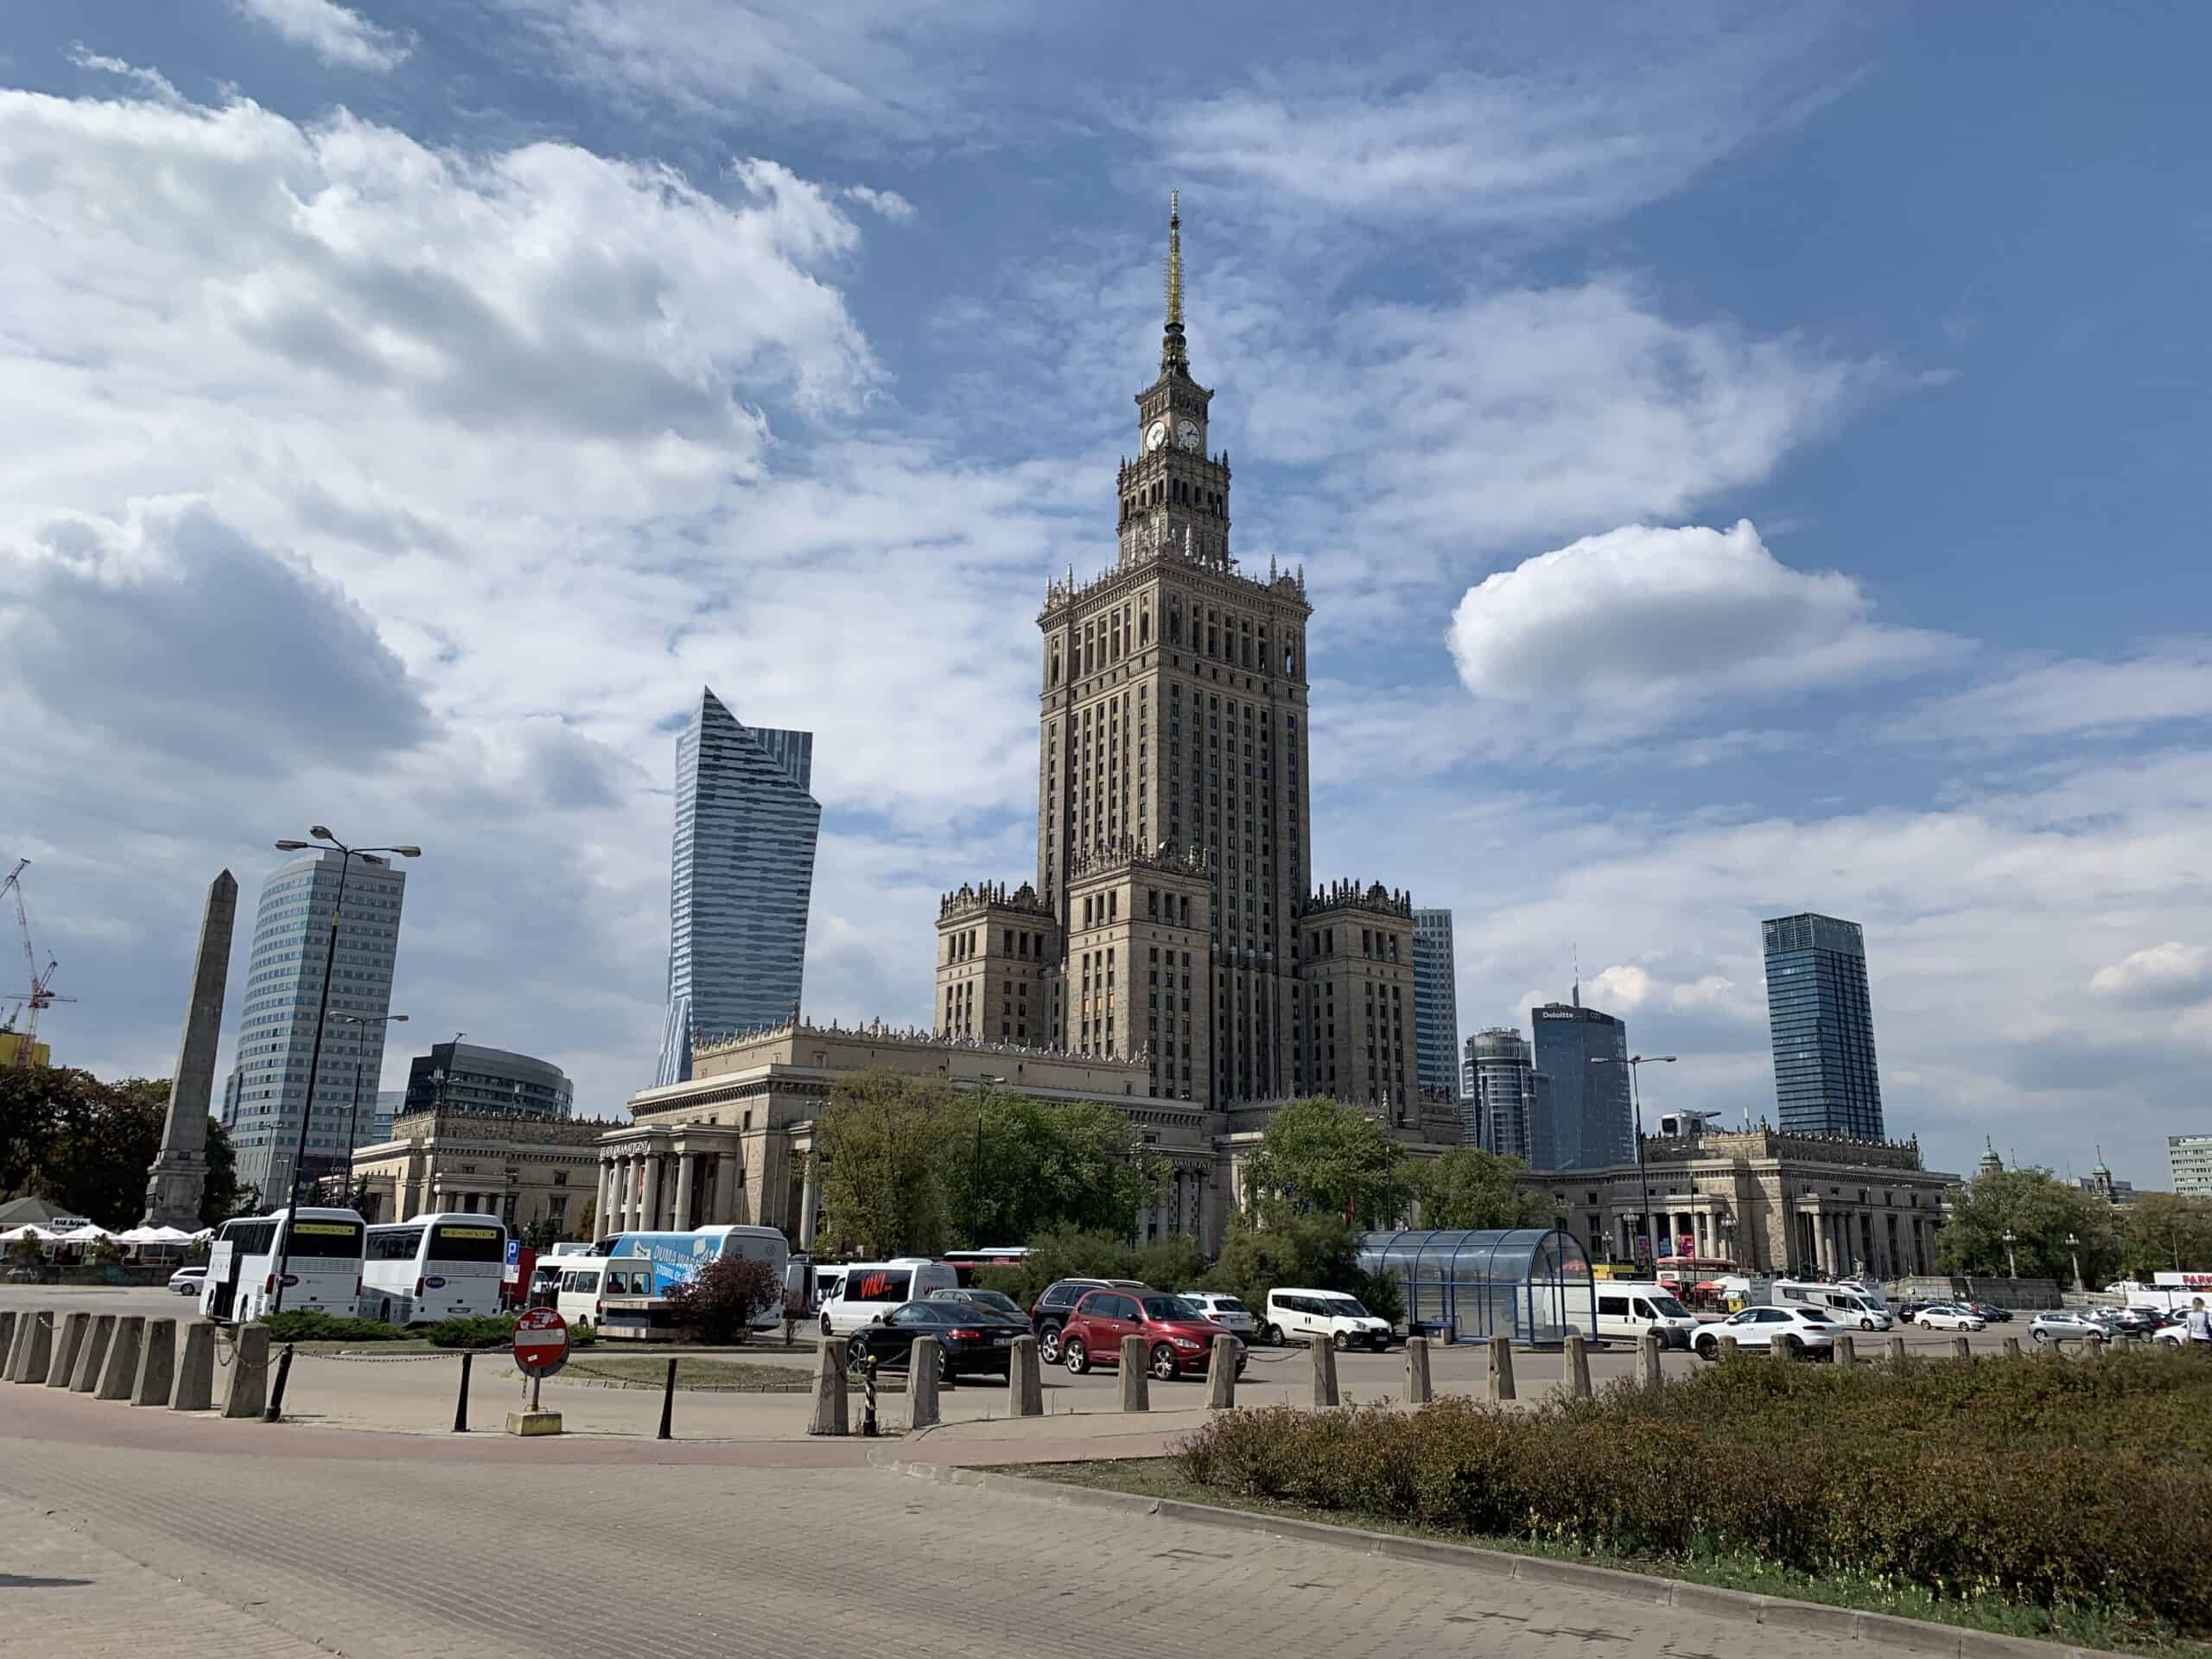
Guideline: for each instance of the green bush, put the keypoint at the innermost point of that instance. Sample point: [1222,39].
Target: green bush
[1282,1248]
[313,1325]
[2063,1486]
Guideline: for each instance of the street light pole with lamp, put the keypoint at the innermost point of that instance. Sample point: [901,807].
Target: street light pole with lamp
[345,857]
[1636,1064]
[975,1170]
[353,1123]
[2011,1261]
[2074,1250]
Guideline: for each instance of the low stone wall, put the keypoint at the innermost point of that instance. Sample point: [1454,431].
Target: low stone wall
[2031,1293]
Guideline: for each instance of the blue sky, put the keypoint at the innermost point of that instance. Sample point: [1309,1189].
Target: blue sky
[1745,460]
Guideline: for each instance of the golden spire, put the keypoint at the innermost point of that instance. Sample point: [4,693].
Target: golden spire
[1174,259]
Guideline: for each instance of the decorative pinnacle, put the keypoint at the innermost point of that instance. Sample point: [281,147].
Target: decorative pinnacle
[1174,259]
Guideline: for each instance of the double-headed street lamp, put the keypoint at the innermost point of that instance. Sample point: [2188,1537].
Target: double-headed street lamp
[347,855]
[353,1123]
[1635,1064]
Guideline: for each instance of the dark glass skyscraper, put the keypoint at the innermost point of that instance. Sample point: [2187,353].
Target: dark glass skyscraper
[741,880]
[1592,1125]
[1822,1025]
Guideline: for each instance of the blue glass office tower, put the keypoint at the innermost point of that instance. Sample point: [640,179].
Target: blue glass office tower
[1592,1122]
[1822,1025]
[740,879]
[1436,1005]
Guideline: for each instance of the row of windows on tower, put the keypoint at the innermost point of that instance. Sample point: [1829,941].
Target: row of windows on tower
[1377,944]
[1223,637]
[1174,492]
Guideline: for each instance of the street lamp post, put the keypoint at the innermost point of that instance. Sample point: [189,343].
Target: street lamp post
[1636,1064]
[345,857]
[2074,1250]
[2011,1261]
[353,1123]
[975,1169]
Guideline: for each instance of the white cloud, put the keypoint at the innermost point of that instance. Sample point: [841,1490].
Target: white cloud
[1638,627]
[1621,989]
[2169,973]
[152,79]
[889,203]
[336,34]
[2075,697]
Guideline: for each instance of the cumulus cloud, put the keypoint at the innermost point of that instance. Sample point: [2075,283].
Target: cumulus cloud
[1637,627]
[336,34]
[2170,973]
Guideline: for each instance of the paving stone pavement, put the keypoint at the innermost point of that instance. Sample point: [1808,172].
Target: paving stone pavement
[193,1550]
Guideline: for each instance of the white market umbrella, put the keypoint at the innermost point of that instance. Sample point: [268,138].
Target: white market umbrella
[28,1229]
[154,1236]
[90,1233]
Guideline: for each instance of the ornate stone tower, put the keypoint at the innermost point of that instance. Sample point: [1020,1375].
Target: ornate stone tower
[1361,1017]
[998,967]
[1173,725]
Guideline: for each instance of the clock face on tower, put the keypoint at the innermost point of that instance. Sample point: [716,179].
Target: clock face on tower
[1156,435]
[1186,434]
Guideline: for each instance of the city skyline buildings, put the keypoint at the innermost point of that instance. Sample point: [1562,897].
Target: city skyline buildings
[473,1078]
[1820,1024]
[741,880]
[1436,1001]
[1589,1112]
[2189,1165]
[1511,1099]
[267,1090]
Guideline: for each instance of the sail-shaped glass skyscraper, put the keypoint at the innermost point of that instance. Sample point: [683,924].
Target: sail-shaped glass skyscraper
[740,879]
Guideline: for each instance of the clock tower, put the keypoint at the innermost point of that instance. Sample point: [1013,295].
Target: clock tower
[1174,494]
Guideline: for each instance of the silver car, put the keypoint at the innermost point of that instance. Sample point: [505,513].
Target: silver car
[2068,1324]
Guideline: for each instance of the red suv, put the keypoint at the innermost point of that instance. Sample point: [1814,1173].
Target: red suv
[1179,1339]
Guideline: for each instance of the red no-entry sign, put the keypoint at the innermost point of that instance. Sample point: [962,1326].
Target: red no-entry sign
[541,1342]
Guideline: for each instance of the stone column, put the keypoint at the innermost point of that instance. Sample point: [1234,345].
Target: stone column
[603,1209]
[178,1178]
[810,1202]
[648,1206]
[686,1165]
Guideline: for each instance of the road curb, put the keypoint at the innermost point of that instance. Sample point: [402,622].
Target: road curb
[1884,1632]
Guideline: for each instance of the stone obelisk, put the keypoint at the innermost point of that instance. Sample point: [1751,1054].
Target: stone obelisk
[179,1177]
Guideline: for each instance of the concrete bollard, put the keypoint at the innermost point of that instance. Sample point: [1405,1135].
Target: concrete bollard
[1501,1367]
[1136,1382]
[195,1368]
[2093,1342]
[1846,1349]
[8,1342]
[1577,1366]
[1221,1373]
[1323,1357]
[69,1338]
[1420,1389]
[249,1391]
[157,1364]
[1024,1379]
[922,1380]
[31,1360]
[830,1413]
[1896,1351]
[1647,1360]
[120,1370]
[2011,1348]
[92,1354]
[1962,1349]
[1727,1345]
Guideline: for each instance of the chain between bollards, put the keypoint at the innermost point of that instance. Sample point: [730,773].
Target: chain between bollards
[276,1412]
[460,1404]
[667,1400]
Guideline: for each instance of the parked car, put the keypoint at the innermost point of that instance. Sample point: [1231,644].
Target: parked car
[1295,1315]
[1056,1302]
[2066,1324]
[2132,1321]
[1907,1312]
[186,1281]
[970,1340]
[1224,1311]
[1788,1331]
[1992,1312]
[1949,1316]
[1179,1339]
[997,1300]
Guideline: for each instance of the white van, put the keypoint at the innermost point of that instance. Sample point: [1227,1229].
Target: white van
[1296,1315]
[587,1281]
[869,1288]
[1628,1308]
[1846,1304]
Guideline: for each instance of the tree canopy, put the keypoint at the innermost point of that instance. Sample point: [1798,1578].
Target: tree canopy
[1467,1187]
[87,1145]
[1320,1157]
[2040,1211]
[2160,1232]
[876,1142]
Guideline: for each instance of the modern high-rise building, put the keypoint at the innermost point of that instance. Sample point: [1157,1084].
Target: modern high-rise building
[377,1129]
[1821,1022]
[1436,1004]
[2189,1159]
[468,1078]
[741,880]
[267,1092]
[1592,1120]
[1512,1102]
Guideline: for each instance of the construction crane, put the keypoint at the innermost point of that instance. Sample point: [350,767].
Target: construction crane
[24,1020]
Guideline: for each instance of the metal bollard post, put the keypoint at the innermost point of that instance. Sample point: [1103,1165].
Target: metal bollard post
[460,1403]
[667,1400]
[276,1412]
[868,1402]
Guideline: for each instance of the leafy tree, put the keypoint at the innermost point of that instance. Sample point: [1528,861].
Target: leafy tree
[719,1300]
[1320,1157]
[27,1251]
[1281,1247]
[1469,1187]
[2162,1232]
[2040,1211]
[877,1141]
[1076,1162]
[587,1218]
[1173,1261]
[222,1197]
[539,1235]
[42,1108]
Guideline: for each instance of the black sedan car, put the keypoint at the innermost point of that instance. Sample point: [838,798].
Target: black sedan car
[969,1339]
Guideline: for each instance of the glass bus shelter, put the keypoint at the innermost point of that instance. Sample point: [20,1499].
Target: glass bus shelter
[1533,1284]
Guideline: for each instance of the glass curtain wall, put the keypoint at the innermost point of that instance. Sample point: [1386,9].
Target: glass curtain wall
[1532,1284]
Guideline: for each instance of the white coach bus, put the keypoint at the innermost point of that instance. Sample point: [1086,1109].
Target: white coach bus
[435,1266]
[323,1271]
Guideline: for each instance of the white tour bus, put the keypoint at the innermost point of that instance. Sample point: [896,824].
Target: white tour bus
[435,1266]
[323,1272]
[677,1257]
[870,1288]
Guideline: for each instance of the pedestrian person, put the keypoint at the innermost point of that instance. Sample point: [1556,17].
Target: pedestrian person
[2200,1327]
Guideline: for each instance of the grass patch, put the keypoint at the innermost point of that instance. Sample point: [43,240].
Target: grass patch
[1163,1477]
[703,1376]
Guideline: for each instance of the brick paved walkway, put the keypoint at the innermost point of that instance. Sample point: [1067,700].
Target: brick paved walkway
[211,1541]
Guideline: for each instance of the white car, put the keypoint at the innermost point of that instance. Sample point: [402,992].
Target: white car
[1786,1331]
[186,1281]
[1299,1315]
[1949,1316]
[1224,1311]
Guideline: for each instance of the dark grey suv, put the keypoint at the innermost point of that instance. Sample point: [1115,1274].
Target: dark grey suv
[1059,1300]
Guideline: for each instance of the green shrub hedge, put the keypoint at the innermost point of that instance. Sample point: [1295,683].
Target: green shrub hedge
[2060,1484]
[495,1330]
[313,1325]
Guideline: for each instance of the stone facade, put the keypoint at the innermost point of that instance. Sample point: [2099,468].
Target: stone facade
[1769,1200]
[1361,1015]
[523,1169]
